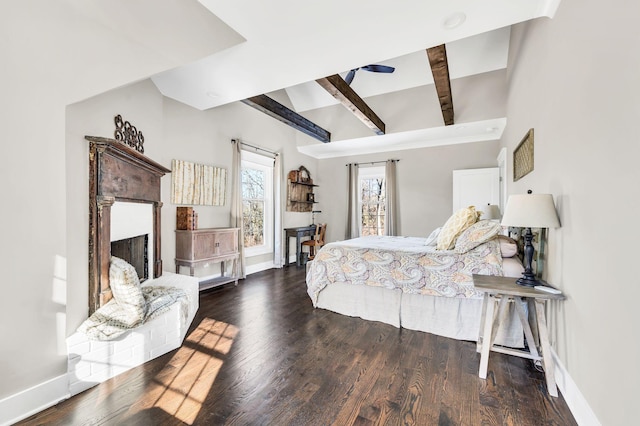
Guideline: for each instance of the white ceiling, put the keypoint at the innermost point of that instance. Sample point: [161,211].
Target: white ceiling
[289,44]
[472,55]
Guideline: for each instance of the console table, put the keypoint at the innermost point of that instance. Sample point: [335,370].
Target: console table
[500,291]
[298,233]
[212,245]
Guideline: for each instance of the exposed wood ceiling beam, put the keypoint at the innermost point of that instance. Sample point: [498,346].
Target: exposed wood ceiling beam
[440,69]
[291,118]
[340,90]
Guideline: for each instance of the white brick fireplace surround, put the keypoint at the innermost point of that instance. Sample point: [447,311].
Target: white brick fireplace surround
[93,362]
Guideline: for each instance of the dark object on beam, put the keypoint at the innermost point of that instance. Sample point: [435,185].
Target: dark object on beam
[440,69]
[291,118]
[340,90]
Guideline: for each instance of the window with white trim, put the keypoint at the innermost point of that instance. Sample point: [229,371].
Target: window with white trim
[257,203]
[371,186]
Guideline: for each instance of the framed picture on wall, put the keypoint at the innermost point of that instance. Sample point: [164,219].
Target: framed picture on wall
[523,157]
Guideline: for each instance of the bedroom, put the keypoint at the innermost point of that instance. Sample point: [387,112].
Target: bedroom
[559,84]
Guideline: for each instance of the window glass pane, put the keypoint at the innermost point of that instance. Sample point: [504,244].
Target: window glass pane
[253,182]
[253,193]
[253,215]
[372,193]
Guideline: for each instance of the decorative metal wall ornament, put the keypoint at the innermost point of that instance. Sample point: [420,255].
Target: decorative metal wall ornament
[523,157]
[128,134]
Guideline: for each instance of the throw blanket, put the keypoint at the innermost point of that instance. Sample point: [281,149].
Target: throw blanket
[404,263]
[111,321]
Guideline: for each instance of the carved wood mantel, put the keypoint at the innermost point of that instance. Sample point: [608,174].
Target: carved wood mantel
[117,172]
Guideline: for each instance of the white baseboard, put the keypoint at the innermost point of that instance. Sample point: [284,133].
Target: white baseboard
[578,405]
[33,400]
[258,267]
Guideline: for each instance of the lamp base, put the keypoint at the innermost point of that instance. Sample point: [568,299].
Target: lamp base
[528,281]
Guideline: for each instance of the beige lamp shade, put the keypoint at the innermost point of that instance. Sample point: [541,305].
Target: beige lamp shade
[531,211]
[490,212]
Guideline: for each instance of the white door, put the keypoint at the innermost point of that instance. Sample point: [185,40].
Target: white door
[476,187]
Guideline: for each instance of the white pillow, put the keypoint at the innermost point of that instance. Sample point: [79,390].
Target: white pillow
[125,287]
[508,246]
[432,239]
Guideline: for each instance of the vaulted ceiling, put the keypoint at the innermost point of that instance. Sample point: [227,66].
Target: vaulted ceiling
[289,45]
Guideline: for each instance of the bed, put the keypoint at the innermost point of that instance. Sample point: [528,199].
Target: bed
[409,283]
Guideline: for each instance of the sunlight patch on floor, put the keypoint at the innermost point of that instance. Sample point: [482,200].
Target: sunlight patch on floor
[184,383]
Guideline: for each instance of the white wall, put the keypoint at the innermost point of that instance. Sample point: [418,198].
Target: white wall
[575,80]
[425,182]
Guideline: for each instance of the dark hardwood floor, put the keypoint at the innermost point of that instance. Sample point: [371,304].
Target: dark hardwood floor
[259,354]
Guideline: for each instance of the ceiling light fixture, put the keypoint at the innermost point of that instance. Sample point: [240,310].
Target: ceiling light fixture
[454,20]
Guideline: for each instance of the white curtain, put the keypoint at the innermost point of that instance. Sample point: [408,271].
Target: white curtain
[277,211]
[236,203]
[353,225]
[391,220]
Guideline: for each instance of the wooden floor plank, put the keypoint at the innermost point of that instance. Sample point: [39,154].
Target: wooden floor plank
[259,353]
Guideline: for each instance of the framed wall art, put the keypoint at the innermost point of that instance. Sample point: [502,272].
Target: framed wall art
[523,157]
[198,184]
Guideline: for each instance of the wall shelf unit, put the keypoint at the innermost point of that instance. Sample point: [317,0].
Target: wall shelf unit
[300,196]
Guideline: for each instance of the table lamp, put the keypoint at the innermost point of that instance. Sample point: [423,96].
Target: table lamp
[490,212]
[530,211]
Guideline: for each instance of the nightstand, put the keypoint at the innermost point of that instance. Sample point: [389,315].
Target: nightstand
[500,291]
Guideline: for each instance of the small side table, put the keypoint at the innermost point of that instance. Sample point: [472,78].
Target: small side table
[501,290]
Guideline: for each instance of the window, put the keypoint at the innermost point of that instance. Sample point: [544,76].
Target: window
[372,200]
[257,200]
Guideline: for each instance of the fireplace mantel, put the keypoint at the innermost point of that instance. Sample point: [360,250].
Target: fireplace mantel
[117,172]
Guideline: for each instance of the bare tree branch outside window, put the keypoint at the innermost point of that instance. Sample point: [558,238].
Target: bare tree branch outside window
[253,198]
[372,195]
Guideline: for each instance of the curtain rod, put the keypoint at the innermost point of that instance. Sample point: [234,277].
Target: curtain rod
[373,162]
[254,147]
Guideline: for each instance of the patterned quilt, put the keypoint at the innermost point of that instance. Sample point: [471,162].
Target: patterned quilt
[405,263]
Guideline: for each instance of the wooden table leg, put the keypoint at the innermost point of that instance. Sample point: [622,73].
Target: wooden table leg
[486,341]
[531,341]
[286,248]
[485,302]
[547,359]
[298,249]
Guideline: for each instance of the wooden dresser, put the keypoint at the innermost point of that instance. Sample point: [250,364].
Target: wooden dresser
[212,245]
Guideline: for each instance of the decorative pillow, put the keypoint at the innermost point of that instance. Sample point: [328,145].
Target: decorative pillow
[432,239]
[478,233]
[453,227]
[125,286]
[508,246]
